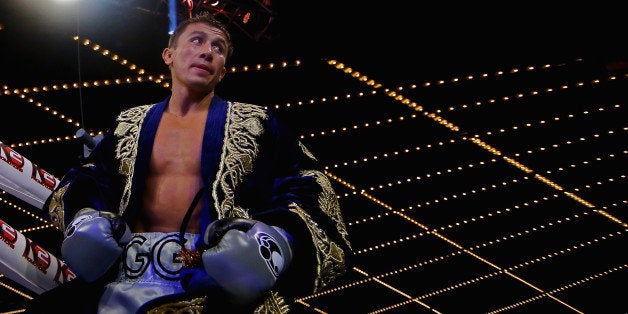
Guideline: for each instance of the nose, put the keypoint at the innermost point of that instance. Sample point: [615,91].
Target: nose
[207,53]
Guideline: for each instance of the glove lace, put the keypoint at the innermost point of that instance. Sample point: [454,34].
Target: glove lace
[190,258]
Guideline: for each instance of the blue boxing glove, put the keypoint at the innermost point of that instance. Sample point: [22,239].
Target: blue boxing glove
[245,257]
[93,242]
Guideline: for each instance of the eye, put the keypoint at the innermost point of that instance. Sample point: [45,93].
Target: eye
[217,48]
[196,40]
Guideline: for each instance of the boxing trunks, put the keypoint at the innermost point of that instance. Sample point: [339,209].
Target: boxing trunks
[149,268]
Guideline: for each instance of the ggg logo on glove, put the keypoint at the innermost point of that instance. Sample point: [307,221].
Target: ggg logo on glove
[77,222]
[270,252]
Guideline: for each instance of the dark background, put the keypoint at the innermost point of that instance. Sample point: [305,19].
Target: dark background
[438,223]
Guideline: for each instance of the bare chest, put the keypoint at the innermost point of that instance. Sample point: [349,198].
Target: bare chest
[178,145]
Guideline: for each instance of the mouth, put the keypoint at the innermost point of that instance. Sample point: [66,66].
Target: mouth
[202,67]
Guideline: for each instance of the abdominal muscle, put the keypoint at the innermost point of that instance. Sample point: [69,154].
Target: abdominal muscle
[174,176]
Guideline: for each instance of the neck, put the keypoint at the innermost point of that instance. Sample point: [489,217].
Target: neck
[182,103]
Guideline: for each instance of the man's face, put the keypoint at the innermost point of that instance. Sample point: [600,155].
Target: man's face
[197,60]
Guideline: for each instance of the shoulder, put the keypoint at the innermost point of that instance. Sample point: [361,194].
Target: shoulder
[136,110]
[256,118]
[134,114]
[129,120]
[243,107]
[246,111]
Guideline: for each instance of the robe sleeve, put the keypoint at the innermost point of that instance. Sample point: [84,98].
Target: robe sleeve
[85,185]
[304,203]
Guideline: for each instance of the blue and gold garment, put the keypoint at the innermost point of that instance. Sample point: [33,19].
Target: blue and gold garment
[252,166]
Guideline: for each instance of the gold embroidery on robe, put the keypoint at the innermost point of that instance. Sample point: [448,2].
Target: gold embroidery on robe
[274,304]
[194,306]
[128,134]
[56,208]
[240,149]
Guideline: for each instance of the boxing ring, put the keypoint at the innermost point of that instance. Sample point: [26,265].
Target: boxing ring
[21,259]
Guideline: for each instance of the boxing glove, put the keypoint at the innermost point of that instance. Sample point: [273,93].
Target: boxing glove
[93,242]
[245,257]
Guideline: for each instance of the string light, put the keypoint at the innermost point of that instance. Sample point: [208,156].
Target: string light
[396,95]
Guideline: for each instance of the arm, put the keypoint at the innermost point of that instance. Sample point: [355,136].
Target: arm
[305,204]
[88,185]
[82,207]
[286,190]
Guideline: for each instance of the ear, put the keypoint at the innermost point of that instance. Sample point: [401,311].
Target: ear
[166,55]
[223,71]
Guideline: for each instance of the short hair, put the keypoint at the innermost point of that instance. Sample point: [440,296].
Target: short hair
[204,17]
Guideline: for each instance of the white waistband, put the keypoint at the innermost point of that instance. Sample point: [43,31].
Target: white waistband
[153,256]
